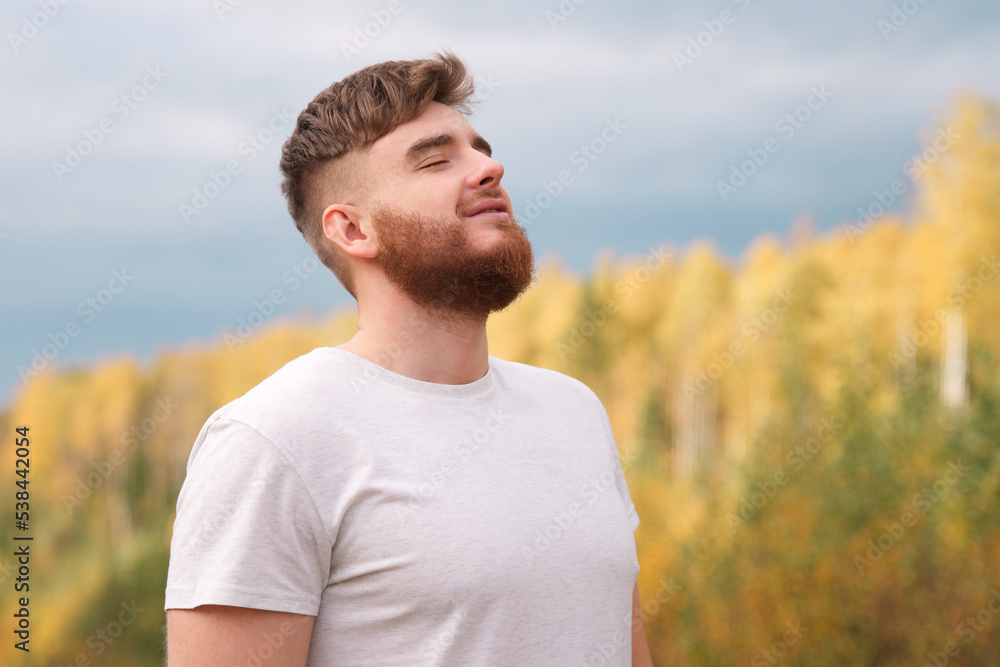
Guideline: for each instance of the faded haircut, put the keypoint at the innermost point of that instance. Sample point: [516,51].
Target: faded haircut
[349,116]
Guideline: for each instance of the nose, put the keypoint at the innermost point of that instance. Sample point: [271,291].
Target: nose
[487,173]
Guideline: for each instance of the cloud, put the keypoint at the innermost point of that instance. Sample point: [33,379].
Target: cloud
[556,86]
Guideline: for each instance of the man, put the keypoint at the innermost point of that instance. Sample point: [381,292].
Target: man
[404,498]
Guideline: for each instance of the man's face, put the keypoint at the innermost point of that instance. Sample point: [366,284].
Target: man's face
[444,224]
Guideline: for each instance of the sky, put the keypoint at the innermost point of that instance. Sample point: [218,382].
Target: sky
[139,191]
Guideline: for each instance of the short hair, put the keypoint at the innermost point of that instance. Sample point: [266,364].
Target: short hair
[349,116]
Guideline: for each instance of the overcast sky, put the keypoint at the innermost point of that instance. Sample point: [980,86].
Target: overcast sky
[116,115]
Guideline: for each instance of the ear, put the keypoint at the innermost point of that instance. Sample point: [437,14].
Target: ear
[350,228]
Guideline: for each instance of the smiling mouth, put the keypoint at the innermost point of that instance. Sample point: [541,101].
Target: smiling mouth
[498,216]
[493,207]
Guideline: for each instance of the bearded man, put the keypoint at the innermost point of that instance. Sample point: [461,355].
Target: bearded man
[404,498]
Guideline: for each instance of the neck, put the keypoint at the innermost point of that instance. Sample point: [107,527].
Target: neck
[426,345]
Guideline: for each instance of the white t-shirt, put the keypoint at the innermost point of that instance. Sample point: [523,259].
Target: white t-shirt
[422,524]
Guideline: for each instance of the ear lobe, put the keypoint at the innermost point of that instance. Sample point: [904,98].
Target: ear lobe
[349,228]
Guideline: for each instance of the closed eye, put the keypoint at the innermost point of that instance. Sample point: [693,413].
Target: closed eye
[434,163]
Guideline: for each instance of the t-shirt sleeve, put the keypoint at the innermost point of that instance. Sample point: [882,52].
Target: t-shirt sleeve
[620,481]
[247,531]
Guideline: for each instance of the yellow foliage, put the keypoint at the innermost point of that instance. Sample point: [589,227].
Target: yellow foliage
[719,379]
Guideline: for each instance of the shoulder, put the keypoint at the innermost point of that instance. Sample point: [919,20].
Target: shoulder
[542,382]
[318,380]
[279,418]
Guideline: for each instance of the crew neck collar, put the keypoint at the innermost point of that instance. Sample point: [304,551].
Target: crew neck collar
[375,373]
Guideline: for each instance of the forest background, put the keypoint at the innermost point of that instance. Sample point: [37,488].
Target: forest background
[810,435]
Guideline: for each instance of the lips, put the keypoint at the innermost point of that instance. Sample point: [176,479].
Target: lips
[489,206]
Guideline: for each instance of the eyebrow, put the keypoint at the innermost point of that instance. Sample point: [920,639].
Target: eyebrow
[421,146]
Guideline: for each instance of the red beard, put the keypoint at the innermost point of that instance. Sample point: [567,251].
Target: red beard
[434,264]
